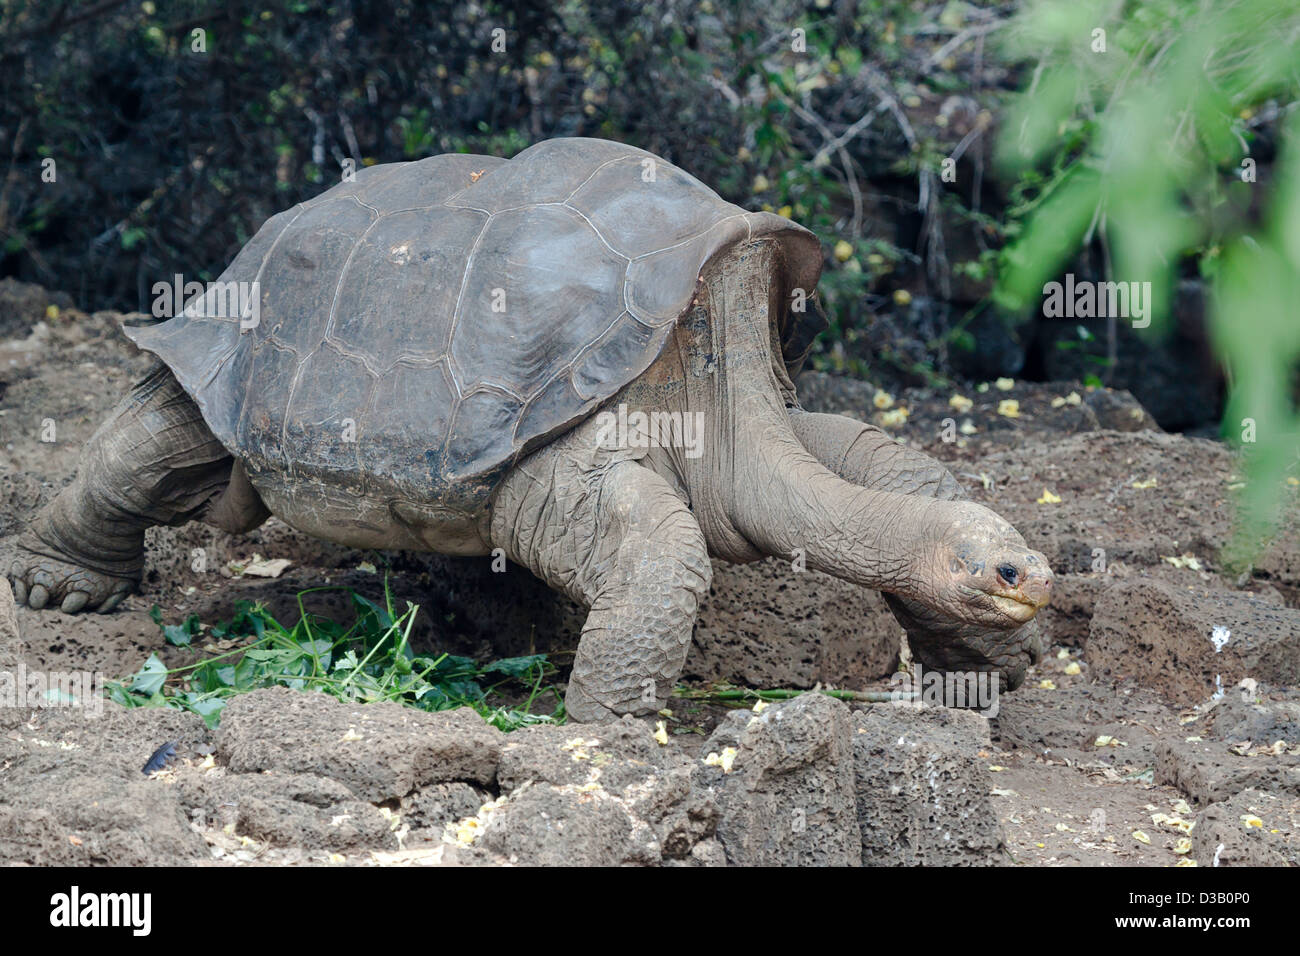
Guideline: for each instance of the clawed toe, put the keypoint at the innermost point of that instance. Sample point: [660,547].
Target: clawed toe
[113,601]
[38,597]
[74,602]
[40,581]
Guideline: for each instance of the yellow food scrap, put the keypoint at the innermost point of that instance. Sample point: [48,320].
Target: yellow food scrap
[1147,483]
[467,831]
[577,747]
[1046,685]
[960,403]
[1174,823]
[338,858]
[661,733]
[967,428]
[843,251]
[1183,846]
[1073,669]
[1005,384]
[1047,498]
[1071,399]
[1009,408]
[902,297]
[883,400]
[1181,806]
[1182,561]
[1141,837]
[996,768]
[761,706]
[1251,820]
[1186,861]
[894,417]
[725,760]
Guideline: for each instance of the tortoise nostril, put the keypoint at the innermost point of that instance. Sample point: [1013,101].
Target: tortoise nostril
[1009,574]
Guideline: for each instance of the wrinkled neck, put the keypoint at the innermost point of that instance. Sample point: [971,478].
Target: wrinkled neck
[754,489]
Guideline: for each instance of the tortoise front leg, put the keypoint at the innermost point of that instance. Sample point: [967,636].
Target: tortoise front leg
[865,455]
[616,537]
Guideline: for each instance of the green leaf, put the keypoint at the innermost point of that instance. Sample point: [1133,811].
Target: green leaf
[516,666]
[210,710]
[181,635]
[149,679]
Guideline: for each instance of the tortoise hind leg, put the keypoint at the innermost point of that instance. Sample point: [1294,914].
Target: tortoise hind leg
[153,462]
[615,537]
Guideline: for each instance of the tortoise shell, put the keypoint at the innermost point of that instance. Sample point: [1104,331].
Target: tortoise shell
[421,328]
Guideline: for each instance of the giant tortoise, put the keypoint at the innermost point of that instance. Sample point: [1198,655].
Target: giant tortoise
[581,358]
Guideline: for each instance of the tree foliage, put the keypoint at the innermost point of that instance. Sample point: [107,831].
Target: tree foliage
[1147,127]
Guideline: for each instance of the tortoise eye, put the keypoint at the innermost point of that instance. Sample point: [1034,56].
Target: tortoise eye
[1009,574]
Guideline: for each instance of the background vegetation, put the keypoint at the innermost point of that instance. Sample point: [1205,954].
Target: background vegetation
[836,114]
[1148,141]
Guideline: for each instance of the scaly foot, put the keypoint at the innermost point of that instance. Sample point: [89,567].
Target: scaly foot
[41,581]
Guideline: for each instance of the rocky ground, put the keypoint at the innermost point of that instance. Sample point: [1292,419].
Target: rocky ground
[1162,725]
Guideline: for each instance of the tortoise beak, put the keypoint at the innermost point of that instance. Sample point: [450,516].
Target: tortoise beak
[1027,582]
[1036,584]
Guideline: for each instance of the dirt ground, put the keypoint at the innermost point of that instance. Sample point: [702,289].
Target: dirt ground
[1115,744]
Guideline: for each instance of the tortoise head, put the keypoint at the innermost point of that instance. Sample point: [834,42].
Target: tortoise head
[977,568]
[981,587]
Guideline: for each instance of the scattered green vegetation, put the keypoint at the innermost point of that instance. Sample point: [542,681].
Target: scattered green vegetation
[371,660]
